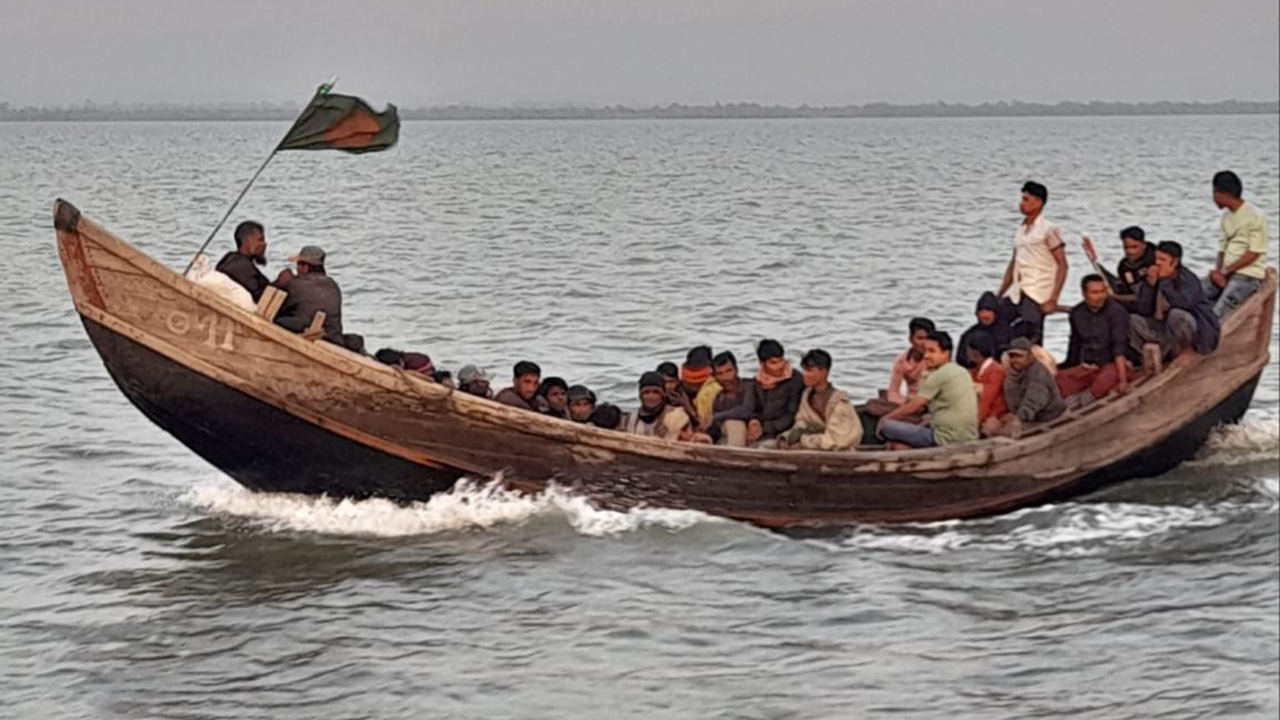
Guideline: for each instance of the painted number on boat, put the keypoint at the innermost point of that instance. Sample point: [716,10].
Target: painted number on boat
[179,323]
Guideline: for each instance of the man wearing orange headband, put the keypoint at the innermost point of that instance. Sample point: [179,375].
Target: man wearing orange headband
[698,385]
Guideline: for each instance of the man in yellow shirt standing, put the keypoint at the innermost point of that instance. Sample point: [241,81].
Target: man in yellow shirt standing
[1242,253]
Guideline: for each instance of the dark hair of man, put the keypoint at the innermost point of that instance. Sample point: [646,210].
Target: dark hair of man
[816,358]
[1035,189]
[1228,183]
[551,382]
[1169,247]
[1088,280]
[388,356]
[769,349]
[942,338]
[699,357]
[245,230]
[524,367]
[669,369]
[606,416]
[1133,232]
[724,358]
[921,323]
[1023,329]
[983,344]
[441,375]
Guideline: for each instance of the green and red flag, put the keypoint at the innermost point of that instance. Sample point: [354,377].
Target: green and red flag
[342,122]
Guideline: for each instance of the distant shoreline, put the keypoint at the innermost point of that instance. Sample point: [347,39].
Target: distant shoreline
[731,111]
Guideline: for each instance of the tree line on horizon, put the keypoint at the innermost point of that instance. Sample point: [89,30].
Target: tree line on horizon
[675,111]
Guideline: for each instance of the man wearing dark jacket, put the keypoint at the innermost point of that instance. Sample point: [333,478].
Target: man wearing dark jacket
[310,291]
[1173,311]
[778,391]
[989,322]
[1131,272]
[242,263]
[1095,363]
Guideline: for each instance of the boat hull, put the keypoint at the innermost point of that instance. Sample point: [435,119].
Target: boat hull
[279,412]
[257,444]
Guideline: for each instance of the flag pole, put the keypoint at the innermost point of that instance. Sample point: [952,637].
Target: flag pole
[324,90]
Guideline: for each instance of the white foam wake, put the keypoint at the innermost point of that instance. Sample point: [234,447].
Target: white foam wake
[1256,438]
[1067,530]
[469,506]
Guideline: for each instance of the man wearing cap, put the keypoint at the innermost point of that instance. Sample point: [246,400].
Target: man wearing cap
[1030,391]
[1173,311]
[474,381]
[655,418]
[1033,280]
[310,290]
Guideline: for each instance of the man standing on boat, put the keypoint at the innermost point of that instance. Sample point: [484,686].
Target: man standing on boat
[242,263]
[310,290]
[1033,280]
[1242,252]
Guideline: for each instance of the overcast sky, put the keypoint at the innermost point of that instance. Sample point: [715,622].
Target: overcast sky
[417,52]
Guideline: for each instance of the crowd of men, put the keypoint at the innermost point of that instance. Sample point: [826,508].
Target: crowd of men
[998,381]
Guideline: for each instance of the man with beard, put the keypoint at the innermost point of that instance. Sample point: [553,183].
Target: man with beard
[655,418]
[523,393]
[242,263]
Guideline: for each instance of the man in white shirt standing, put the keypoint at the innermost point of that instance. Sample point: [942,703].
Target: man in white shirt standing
[1033,281]
[1242,252]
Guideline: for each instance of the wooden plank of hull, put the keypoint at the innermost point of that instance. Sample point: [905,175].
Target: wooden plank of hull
[261,446]
[130,296]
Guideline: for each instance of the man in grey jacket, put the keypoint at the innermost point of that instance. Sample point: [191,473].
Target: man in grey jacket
[1030,391]
[310,291]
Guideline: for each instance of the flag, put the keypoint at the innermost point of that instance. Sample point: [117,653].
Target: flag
[342,122]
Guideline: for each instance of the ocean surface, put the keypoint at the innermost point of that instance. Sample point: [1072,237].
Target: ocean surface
[137,582]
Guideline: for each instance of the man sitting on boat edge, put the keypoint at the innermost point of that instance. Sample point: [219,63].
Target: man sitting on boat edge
[947,391]
[310,290]
[241,264]
[1173,311]
[523,393]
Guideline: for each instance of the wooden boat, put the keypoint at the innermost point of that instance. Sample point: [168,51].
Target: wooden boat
[282,413]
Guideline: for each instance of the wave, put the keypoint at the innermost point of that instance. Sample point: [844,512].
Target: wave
[1066,530]
[470,505]
[1254,439]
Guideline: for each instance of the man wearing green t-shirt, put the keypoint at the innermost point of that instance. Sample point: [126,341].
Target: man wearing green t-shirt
[947,390]
[1242,252]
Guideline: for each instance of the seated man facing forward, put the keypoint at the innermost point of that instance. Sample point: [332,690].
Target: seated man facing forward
[1030,392]
[553,393]
[733,407]
[1173,311]
[310,290]
[582,402]
[825,420]
[474,381]
[778,390]
[523,392]
[655,418]
[948,393]
[1095,363]
[988,380]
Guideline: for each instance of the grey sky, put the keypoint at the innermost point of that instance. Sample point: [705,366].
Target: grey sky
[417,52]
